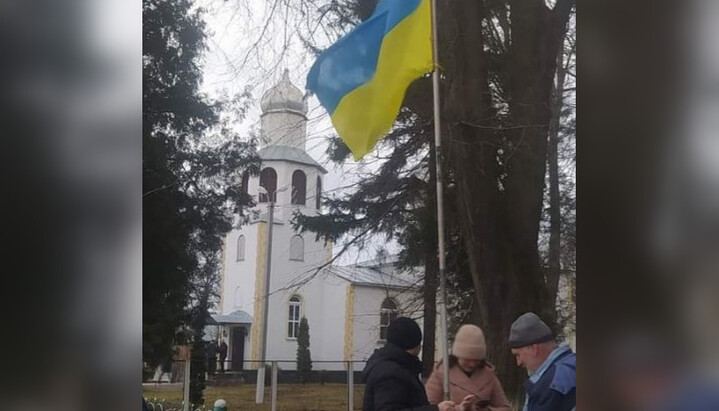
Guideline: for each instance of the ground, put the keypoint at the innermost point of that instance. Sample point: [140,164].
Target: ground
[291,397]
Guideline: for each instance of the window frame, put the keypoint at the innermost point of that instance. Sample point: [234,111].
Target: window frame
[390,313]
[302,245]
[294,301]
[239,257]
[299,181]
[271,177]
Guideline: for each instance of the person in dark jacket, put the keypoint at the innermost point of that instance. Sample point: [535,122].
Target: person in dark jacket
[552,368]
[222,350]
[392,373]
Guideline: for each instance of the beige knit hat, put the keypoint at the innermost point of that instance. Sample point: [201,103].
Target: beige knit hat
[469,343]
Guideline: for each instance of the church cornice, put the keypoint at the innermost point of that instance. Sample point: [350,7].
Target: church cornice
[276,152]
[284,110]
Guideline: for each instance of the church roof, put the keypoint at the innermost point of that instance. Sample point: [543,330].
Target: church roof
[284,97]
[287,153]
[371,277]
[235,317]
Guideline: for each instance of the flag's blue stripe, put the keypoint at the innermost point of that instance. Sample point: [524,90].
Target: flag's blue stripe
[352,60]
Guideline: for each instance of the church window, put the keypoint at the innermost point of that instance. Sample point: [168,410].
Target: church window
[238,297]
[318,193]
[293,323]
[245,182]
[299,187]
[388,313]
[268,180]
[297,248]
[241,248]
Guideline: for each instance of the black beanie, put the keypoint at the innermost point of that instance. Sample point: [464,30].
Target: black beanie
[404,333]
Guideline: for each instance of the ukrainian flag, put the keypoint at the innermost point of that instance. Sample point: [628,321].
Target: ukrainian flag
[361,80]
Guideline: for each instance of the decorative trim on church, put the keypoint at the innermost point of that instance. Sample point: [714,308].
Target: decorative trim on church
[349,322]
[222,273]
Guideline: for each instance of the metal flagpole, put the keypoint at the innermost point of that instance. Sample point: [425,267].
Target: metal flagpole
[440,205]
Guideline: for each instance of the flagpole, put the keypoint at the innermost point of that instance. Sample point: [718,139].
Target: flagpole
[440,206]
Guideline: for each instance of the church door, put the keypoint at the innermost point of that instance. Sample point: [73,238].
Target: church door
[238,348]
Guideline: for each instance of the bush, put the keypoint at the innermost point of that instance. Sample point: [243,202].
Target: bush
[304,359]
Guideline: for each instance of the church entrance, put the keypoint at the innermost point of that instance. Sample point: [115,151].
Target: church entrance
[238,348]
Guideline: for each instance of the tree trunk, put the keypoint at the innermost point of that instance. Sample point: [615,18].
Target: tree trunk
[555,218]
[500,203]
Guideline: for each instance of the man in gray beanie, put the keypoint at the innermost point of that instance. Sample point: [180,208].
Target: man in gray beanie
[552,368]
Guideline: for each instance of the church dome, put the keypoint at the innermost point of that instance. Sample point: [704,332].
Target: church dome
[284,97]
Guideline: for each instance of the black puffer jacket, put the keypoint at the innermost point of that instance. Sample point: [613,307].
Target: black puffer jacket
[392,382]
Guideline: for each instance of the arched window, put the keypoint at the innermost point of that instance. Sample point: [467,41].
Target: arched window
[297,248]
[318,193]
[293,322]
[241,248]
[245,182]
[268,180]
[387,314]
[299,187]
[238,297]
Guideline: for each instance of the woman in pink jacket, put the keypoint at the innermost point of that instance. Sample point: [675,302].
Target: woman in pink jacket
[470,374]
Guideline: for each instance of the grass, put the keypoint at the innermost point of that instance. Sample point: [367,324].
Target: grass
[291,397]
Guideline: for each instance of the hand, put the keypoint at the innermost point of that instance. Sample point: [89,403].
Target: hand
[469,402]
[446,406]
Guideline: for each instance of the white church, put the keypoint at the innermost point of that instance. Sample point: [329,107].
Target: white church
[348,308]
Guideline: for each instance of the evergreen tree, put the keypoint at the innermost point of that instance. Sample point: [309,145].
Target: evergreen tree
[192,164]
[304,359]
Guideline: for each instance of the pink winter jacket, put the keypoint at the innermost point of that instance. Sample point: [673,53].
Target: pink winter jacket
[482,383]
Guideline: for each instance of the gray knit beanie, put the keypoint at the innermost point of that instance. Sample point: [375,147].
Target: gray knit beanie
[529,329]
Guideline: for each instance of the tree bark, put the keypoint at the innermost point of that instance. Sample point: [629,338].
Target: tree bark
[500,203]
[555,218]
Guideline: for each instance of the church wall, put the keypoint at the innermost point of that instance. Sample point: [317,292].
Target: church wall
[330,320]
[366,321]
[318,297]
[322,305]
[239,276]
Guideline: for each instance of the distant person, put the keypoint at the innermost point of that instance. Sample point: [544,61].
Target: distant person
[222,350]
[211,357]
[469,374]
[552,368]
[392,373]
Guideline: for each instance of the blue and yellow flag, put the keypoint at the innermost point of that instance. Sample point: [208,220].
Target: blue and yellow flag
[361,80]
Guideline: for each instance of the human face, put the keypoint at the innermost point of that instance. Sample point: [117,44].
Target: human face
[526,357]
[468,365]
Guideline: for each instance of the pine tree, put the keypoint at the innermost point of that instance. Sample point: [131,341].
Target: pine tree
[192,164]
[304,359]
